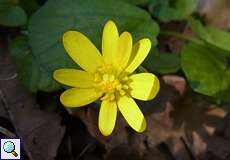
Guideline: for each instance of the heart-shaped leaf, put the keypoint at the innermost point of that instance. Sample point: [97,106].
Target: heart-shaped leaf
[214,37]
[32,76]
[163,63]
[48,24]
[11,14]
[207,71]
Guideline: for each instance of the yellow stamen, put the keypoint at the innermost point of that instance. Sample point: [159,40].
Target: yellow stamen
[122,92]
[119,87]
[97,77]
[111,84]
[112,97]
[125,86]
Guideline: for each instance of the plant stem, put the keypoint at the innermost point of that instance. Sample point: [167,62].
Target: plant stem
[142,69]
[181,36]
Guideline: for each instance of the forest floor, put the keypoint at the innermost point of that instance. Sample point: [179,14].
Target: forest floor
[182,125]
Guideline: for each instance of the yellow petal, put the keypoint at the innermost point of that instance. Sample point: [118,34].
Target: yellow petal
[123,52]
[75,97]
[132,113]
[139,53]
[74,78]
[107,117]
[144,86]
[109,41]
[82,51]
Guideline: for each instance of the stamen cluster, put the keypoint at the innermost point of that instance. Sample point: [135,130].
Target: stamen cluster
[112,84]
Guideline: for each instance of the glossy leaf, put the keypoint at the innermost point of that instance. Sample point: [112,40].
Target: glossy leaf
[33,77]
[207,71]
[163,63]
[11,14]
[214,37]
[47,25]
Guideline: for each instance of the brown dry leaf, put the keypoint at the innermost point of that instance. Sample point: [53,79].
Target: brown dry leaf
[41,131]
[216,12]
[227,128]
[201,121]
[181,125]
[159,124]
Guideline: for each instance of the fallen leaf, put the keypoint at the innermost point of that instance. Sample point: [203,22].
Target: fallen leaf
[40,131]
[216,13]
[181,125]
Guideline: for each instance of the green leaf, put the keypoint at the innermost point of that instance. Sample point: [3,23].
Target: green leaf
[214,37]
[30,6]
[171,10]
[48,24]
[32,76]
[137,2]
[207,71]
[163,63]
[11,14]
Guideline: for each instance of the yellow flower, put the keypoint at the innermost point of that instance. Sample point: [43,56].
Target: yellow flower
[106,76]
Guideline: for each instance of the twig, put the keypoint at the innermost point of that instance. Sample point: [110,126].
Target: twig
[7,132]
[181,36]
[9,78]
[84,150]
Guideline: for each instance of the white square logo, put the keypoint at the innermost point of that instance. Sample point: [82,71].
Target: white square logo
[10,149]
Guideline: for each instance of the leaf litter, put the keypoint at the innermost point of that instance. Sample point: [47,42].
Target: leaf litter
[182,125]
[41,132]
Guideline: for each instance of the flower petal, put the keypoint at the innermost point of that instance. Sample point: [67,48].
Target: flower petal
[139,53]
[74,78]
[144,86]
[132,113]
[82,50]
[107,117]
[123,52]
[75,97]
[109,41]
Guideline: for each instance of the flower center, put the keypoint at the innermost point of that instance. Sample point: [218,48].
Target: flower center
[112,85]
